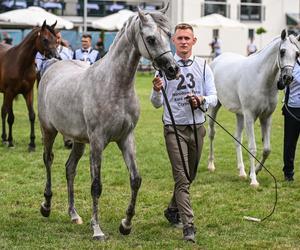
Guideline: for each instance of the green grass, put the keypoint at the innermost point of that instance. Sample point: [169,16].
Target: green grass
[219,199]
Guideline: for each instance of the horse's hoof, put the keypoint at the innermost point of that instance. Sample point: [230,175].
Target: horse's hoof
[77,221]
[45,211]
[211,167]
[254,185]
[31,148]
[124,230]
[243,177]
[100,237]
[4,142]
[11,145]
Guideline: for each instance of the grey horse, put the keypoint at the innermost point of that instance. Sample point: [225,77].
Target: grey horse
[247,87]
[97,105]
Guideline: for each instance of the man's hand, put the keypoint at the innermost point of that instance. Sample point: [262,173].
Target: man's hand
[157,84]
[196,101]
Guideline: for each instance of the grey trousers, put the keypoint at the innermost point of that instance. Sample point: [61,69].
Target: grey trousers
[181,194]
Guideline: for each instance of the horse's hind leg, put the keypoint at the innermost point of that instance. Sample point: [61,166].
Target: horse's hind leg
[239,153]
[96,148]
[71,165]
[3,116]
[211,135]
[48,140]
[7,108]
[29,101]
[265,132]
[127,146]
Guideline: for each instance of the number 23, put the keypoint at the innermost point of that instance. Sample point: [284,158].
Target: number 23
[191,84]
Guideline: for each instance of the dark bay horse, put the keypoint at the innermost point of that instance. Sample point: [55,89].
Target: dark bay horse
[17,75]
[97,105]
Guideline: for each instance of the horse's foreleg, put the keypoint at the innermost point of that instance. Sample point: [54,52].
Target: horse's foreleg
[96,187]
[127,146]
[265,132]
[71,165]
[48,140]
[29,103]
[211,135]
[239,154]
[249,122]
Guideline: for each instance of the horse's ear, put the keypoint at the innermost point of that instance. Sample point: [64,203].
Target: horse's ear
[165,8]
[142,16]
[283,34]
[44,25]
[53,25]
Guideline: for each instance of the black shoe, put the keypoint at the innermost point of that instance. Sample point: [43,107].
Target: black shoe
[172,215]
[189,233]
[288,178]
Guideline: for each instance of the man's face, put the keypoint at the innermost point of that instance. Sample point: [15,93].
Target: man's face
[184,40]
[86,42]
[58,38]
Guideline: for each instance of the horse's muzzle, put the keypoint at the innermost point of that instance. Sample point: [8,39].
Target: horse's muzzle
[172,72]
[284,80]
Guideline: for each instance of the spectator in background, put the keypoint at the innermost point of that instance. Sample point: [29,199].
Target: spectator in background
[64,52]
[7,39]
[100,47]
[216,47]
[251,47]
[87,53]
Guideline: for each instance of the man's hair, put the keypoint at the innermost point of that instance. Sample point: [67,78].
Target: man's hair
[87,36]
[183,26]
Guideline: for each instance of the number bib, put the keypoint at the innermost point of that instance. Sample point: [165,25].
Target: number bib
[190,81]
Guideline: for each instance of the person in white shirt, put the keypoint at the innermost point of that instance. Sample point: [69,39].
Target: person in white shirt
[64,52]
[193,89]
[87,53]
[251,47]
[291,112]
[42,63]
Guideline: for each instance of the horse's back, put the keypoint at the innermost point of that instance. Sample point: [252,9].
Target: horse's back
[228,73]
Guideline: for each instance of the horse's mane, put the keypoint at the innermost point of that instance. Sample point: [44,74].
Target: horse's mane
[33,32]
[159,18]
[268,45]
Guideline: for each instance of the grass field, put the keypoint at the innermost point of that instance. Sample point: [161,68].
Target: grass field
[219,199]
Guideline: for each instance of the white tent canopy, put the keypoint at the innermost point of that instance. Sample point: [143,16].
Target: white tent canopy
[34,16]
[216,21]
[228,30]
[114,21]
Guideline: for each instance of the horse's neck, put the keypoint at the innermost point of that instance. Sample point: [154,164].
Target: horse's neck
[125,56]
[266,60]
[26,50]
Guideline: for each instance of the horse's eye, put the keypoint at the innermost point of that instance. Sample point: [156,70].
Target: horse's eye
[151,40]
[45,41]
[282,52]
[297,54]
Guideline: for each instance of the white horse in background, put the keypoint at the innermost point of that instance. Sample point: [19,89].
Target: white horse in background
[98,105]
[247,87]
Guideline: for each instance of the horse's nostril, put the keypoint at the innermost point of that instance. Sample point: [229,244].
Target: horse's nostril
[171,70]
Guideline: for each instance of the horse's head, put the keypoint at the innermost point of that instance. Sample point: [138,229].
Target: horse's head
[46,41]
[287,57]
[154,41]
